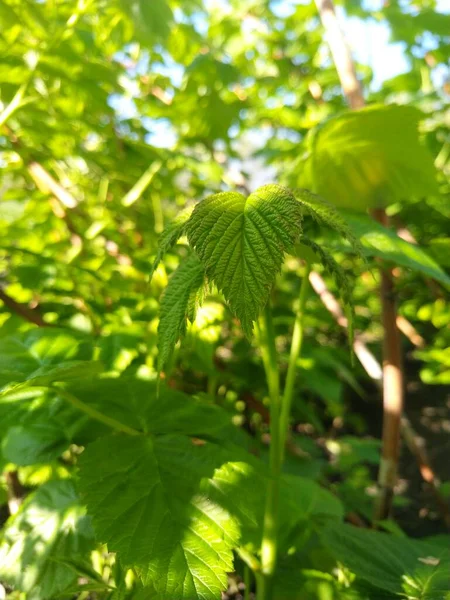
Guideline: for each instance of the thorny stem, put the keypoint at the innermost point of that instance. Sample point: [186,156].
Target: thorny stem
[296,346]
[270,525]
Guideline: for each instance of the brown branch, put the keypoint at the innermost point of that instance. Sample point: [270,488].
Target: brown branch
[392,367]
[161,94]
[393,395]
[373,368]
[16,492]
[329,301]
[410,332]
[416,445]
[341,54]
[22,310]
[60,200]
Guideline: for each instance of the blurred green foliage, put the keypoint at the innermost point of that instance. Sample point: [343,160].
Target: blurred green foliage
[117,115]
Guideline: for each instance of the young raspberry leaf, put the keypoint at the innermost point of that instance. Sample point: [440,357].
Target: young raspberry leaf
[170,236]
[242,241]
[326,214]
[320,255]
[178,305]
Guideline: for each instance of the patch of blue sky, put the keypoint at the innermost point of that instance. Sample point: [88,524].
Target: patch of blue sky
[169,68]
[124,106]
[368,39]
[160,134]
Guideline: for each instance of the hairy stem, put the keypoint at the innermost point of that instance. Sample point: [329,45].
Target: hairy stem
[296,346]
[270,525]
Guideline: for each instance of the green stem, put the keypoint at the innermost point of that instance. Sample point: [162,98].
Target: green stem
[158,214]
[249,558]
[296,346]
[247,575]
[94,413]
[212,385]
[270,525]
[15,104]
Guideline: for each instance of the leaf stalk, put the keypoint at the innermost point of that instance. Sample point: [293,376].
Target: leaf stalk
[296,346]
[269,543]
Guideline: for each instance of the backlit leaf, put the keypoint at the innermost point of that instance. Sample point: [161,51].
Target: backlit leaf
[370,158]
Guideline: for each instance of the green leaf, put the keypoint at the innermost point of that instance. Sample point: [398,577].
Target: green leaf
[178,305]
[242,242]
[404,567]
[152,18]
[170,236]
[370,158]
[240,487]
[175,509]
[344,287]
[326,214]
[136,403]
[308,500]
[39,443]
[440,250]
[384,243]
[141,184]
[50,526]
[41,356]
[147,507]
[157,16]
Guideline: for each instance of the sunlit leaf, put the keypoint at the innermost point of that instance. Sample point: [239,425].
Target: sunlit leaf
[50,525]
[241,243]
